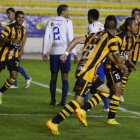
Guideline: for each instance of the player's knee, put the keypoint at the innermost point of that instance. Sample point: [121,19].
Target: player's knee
[79,99]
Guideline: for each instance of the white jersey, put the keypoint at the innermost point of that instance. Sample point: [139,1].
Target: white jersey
[59,31]
[95,27]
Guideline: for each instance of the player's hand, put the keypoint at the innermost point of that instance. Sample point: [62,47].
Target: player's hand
[122,68]
[16,43]
[45,57]
[63,58]
[129,53]
[75,59]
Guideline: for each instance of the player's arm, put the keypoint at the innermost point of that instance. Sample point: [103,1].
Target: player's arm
[4,37]
[73,43]
[70,38]
[21,50]
[45,43]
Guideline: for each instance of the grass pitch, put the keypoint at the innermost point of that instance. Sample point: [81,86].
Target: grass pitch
[24,112]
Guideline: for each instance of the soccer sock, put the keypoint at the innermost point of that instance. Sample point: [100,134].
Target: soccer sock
[113,106]
[10,81]
[95,99]
[124,81]
[65,88]
[66,112]
[86,99]
[22,71]
[53,90]
[106,103]
[15,83]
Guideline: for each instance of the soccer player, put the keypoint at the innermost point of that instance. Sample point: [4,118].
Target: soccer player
[96,26]
[11,16]
[59,32]
[86,75]
[136,49]
[12,38]
[126,41]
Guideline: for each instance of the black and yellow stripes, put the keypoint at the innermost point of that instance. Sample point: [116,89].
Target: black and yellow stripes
[66,112]
[113,106]
[95,100]
[124,81]
[10,81]
[7,51]
[95,55]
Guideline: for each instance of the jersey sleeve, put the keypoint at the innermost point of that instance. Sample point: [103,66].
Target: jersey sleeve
[114,45]
[5,32]
[46,37]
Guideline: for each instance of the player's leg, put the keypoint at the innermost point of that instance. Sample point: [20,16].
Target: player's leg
[80,90]
[103,92]
[13,69]
[65,68]
[2,66]
[101,74]
[114,78]
[54,68]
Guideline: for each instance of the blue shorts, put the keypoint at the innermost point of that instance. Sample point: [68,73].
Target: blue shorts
[100,72]
[56,64]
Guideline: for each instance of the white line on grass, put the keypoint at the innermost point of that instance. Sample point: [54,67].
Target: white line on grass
[60,91]
[51,115]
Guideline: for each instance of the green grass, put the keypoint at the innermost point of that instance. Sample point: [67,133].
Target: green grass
[35,100]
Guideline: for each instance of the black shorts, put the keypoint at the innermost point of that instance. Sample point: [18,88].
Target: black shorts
[83,87]
[113,75]
[11,65]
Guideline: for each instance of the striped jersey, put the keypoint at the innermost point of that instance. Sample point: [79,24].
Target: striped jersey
[125,43]
[96,48]
[136,49]
[8,51]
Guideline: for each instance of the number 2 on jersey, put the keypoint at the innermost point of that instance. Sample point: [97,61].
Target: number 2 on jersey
[56,33]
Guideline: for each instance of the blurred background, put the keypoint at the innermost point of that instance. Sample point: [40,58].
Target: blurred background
[37,12]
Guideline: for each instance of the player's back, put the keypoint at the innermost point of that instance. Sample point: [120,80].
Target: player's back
[59,34]
[95,27]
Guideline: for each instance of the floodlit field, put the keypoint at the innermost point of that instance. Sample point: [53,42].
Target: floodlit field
[24,112]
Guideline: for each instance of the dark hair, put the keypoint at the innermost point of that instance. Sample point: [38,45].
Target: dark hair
[128,22]
[133,11]
[94,14]
[110,22]
[61,8]
[18,13]
[10,9]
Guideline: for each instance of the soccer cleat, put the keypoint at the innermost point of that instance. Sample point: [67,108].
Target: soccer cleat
[112,121]
[105,109]
[28,82]
[52,127]
[81,116]
[14,86]
[121,98]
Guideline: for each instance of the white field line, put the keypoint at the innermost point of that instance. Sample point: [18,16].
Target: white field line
[60,91]
[51,115]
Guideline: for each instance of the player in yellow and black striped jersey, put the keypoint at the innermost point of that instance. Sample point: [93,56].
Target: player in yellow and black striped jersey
[12,39]
[136,49]
[114,75]
[97,46]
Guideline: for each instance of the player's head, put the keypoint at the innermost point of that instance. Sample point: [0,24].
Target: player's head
[131,25]
[136,14]
[110,23]
[93,14]
[19,17]
[11,14]
[62,10]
